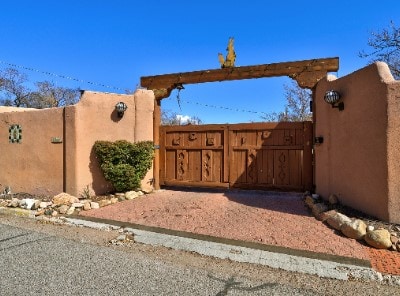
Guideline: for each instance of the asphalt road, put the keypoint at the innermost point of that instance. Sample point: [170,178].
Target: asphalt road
[63,260]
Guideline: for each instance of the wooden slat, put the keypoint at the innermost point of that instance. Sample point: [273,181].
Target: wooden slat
[295,168]
[194,165]
[308,156]
[169,166]
[217,166]
[226,141]
[281,167]
[207,166]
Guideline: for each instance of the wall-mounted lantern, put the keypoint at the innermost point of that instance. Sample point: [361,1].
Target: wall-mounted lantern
[121,107]
[333,97]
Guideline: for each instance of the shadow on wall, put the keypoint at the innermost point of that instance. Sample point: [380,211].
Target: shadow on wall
[114,116]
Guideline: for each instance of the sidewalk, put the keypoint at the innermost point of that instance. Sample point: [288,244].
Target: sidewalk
[254,218]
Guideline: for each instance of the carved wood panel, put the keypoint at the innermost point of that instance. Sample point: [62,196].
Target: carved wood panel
[259,155]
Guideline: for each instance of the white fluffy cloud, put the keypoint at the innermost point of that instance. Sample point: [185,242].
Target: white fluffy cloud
[183,119]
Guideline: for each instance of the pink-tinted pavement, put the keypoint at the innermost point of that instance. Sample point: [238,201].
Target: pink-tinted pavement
[271,218]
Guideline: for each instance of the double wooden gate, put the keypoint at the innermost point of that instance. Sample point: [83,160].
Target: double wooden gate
[254,155]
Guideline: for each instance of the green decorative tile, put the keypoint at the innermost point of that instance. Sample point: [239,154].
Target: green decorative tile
[15,133]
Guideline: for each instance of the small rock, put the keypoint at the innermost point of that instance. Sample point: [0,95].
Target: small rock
[63,209]
[333,199]
[29,203]
[131,195]
[309,201]
[370,228]
[77,205]
[86,206]
[70,211]
[319,208]
[54,213]
[124,238]
[315,196]
[140,193]
[14,203]
[104,202]
[36,205]
[94,205]
[325,215]
[121,237]
[114,200]
[337,220]
[379,239]
[39,212]
[121,198]
[147,190]
[22,203]
[44,204]
[394,239]
[64,199]
[83,201]
[118,194]
[48,212]
[356,229]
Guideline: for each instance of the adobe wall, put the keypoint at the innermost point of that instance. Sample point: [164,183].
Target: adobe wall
[357,160]
[35,165]
[39,165]
[94,118]
[144,101]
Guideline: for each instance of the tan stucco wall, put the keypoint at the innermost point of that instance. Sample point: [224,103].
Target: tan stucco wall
[94,118]
[393,148]
[357,158]
[144,101]
[36,164]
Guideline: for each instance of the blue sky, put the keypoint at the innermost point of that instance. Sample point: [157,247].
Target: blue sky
[116,42]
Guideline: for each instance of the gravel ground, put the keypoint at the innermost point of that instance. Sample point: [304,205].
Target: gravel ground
[222,269]
[270,218]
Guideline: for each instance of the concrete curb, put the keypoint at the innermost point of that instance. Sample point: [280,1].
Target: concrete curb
[234,252]
[322,265]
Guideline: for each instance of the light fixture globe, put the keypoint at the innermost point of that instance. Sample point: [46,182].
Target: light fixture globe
[332,97]
[121,107]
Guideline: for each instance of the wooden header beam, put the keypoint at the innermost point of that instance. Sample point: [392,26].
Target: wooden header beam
[307,73]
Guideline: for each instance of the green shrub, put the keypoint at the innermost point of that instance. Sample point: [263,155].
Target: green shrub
[124,164]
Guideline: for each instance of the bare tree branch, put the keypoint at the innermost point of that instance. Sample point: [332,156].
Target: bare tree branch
[385,47]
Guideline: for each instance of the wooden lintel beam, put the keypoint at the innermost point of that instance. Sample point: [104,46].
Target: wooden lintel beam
[292,69]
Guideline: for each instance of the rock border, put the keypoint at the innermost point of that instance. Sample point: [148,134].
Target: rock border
[64,204]
[375,234]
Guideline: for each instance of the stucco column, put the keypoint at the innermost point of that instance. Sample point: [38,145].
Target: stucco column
[144,130]
[156,135]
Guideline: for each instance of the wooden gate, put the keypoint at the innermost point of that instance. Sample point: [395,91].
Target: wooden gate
[254,155]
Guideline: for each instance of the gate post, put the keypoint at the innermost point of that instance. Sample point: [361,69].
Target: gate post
[156,140]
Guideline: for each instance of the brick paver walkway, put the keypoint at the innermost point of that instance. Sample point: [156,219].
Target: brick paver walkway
[270,218]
